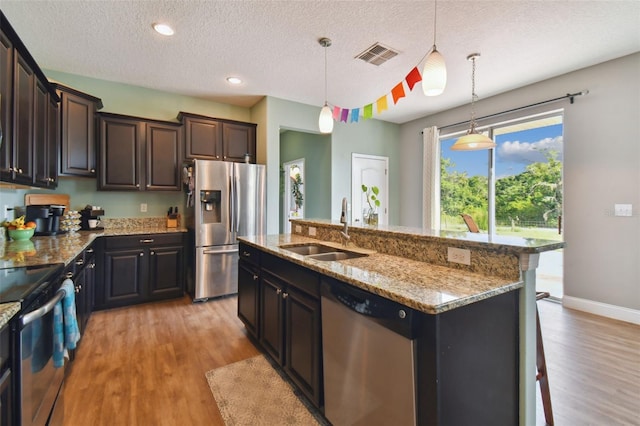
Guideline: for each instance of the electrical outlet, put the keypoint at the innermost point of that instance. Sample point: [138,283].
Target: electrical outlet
[457,255]
[312,231]
[143,207]
[623,209]
[5,211]
[298,229]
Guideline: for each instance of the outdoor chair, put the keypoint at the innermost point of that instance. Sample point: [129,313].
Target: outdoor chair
[470,223]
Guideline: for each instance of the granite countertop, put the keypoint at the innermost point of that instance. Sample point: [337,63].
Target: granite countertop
[7,311]
[425,287]
[61,248]
[64,248]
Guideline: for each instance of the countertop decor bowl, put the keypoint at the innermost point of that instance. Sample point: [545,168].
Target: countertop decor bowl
[21,234]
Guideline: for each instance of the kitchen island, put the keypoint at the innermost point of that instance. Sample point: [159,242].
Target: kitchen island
[410,266]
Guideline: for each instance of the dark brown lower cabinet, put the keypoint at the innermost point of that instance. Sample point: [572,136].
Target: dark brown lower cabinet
[289,327]
[248,296]
[140,268]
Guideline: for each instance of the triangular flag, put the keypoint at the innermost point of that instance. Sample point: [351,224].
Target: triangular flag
[413,77]
[345,114]
[381,104]
[355,114]
[397,93]
[368,111]
[336,113]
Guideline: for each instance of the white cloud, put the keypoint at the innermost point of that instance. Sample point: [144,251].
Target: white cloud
[529,152]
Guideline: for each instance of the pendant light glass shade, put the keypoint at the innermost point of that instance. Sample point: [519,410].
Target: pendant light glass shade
[434,74]
[325,122]
[473,140]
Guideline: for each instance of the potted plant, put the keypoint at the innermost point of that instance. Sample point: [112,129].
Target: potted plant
[371,213]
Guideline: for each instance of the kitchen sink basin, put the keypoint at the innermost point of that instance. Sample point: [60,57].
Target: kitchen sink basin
[309,249]
[336,255]
[321,252]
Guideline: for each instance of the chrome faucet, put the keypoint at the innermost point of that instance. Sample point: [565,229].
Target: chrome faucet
[343,219]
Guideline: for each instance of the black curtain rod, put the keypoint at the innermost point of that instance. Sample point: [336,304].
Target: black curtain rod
[497,114]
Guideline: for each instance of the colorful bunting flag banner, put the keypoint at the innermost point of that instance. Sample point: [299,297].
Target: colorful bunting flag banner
[398,92]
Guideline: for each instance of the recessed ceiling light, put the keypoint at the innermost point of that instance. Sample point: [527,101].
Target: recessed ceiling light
[163,29]
[234,80]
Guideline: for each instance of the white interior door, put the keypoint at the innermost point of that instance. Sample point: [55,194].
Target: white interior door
[369,170]
[292,209]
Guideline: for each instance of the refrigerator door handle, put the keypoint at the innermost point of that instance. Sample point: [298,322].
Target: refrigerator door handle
[220,251]
[236,201]
[231,205]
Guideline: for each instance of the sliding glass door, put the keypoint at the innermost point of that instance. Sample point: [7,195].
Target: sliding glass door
[514,189]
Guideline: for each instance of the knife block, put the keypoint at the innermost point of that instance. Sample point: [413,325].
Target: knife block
[173,223]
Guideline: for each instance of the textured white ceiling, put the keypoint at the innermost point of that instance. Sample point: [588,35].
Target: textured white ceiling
[273,45]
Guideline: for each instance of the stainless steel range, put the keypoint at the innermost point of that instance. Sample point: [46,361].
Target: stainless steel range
[38,384]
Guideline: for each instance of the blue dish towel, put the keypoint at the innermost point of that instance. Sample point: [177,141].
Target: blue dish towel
[65,324]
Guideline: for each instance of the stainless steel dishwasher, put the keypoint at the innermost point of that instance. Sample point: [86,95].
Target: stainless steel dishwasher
[368,353]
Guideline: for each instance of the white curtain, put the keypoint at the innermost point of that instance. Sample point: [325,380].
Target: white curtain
[431,178]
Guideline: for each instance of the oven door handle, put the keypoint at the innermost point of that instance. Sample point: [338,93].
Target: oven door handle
[44,309]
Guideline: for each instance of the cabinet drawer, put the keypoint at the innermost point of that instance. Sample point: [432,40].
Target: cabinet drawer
[249,254]
[294,275]
[133,241]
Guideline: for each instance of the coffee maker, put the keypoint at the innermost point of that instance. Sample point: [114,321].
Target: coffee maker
[46,217]
[87,214]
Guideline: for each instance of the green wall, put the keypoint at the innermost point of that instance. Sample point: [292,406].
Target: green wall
[316,150]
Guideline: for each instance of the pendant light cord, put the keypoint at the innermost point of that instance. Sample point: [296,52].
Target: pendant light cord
[473,93]
[435,14]
[325,74]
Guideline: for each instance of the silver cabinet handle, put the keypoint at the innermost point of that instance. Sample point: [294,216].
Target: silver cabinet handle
[141,254]
[90,250]
[153,253]
[246,254]
[147,241]
[137,185]
[278,291]
[255,277]
[80,262]
[285,295]
[69,275]
[92,170]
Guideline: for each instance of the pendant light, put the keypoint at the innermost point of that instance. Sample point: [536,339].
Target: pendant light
[473,140]
[325,122]
[434,73]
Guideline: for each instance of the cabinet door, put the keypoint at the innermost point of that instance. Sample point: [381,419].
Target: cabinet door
[166,277]
[53,138]
[124,277]
[238,140]
[248,296]
[41,135]
[303,354]
[78,136]
[203,139]
[163,144]
[271,317]
[6,107]
[120,153]
[24,96]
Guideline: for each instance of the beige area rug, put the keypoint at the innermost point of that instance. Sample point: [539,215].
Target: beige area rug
[252,392]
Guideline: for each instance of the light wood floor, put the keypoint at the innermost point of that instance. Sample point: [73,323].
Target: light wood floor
[145,365]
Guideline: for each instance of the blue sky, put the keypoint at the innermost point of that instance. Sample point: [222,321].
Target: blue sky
[514,151]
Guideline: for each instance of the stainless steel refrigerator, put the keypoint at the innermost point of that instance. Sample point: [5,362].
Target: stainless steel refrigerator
[227,200]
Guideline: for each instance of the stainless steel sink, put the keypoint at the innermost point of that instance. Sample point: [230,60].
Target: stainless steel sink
[309,249]
[336,255]
[321,252]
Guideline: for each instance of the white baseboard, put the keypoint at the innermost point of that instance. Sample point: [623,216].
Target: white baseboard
[602,309]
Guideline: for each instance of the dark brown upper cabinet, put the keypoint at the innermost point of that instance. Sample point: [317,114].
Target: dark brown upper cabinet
[138,154]
[77,131]
[211,138]
[28,100]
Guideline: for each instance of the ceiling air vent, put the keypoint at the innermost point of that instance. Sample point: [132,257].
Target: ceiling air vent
[377,54]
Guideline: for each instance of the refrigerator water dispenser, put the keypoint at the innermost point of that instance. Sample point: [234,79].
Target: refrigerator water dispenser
[210,205]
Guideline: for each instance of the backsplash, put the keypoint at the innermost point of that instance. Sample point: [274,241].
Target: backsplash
[410,245]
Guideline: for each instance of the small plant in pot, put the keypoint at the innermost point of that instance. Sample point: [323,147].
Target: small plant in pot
[371,213]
